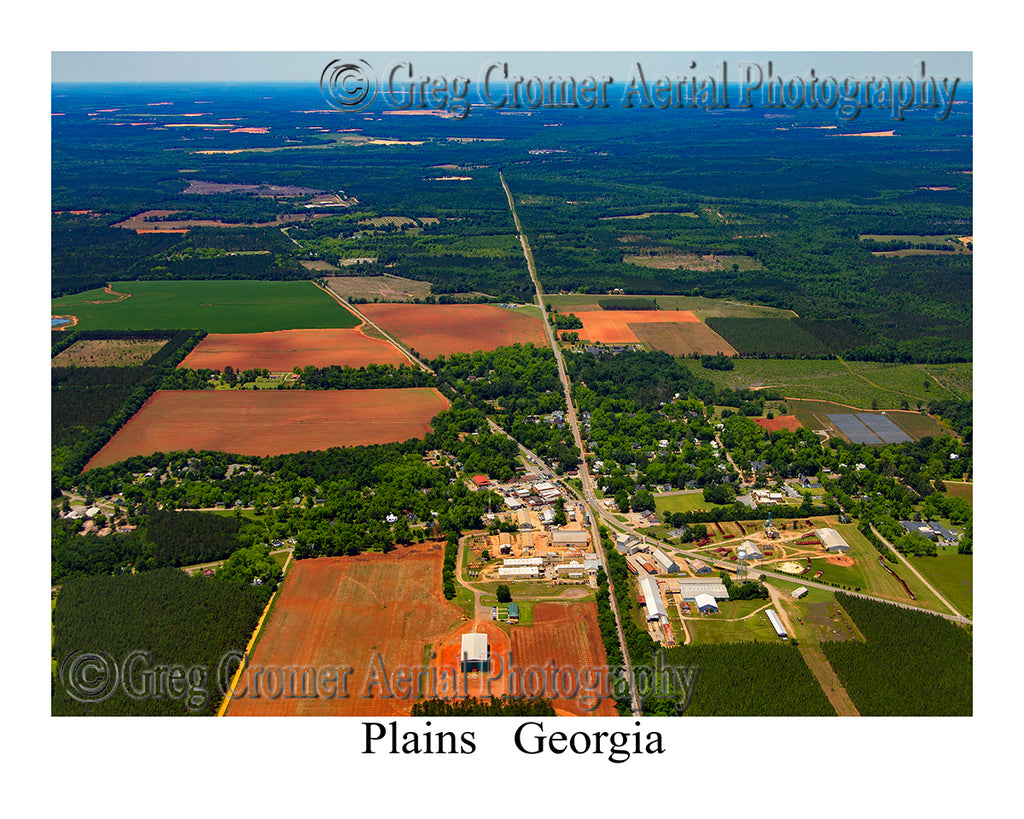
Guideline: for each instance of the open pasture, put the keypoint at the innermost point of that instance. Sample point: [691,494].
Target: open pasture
[108,352]
[441,329]
[271,422]
[852,383]
[283,350]
[386,287]
[223,306]
[370,613]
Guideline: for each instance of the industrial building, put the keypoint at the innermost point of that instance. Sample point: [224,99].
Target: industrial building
[664,562]
[523,561]
[752,550]
[690,587]
[519,571]
[569,537]
[706,604]
[652,598]
[773,618]
[476,654]
[832,540]
[698,566]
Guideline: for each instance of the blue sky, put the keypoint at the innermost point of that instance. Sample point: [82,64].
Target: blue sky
[282,66]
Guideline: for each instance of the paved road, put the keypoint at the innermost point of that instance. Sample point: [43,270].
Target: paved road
[588,491]
[917,574]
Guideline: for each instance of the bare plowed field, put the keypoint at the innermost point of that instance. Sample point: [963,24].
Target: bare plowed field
[613,326]
[283,350]
[271,422]
[355,625]
[683,338]
[567,635]
[442,329]
[788,422]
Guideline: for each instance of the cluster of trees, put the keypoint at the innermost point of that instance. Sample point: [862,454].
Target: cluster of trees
[912,663]
[566,321]
[451,555]
[161,538]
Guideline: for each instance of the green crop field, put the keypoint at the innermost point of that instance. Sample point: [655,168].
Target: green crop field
[214,306]
[856,383]
[771,336]
[700,306]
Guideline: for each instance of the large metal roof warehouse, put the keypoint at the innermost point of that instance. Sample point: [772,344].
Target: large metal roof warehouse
[475,653]
[833,541]
[652,596]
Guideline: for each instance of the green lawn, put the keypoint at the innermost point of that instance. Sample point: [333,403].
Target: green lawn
[214,306]
[725,628]
[952,575]
[685,503]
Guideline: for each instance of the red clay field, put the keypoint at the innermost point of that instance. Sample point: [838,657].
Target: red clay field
[375,614]
[682,338]
[284,350]
[613,326]
[442,329]
[271,422]
[788,422]
[568,635]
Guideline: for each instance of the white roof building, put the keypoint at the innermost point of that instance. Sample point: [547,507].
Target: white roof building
[519,571]
[705,602]
[690,587]
[832,540]
[798,593]
[652,597]
[753,551]
[564,537]
[666,563]
[523,561]
[773,618]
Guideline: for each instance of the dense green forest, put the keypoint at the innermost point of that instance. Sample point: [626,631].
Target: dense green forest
[912,664]
[133,624]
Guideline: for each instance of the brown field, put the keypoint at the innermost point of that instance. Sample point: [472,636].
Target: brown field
[271,422]
[613,326]
[568,635]
[778,422]
[441,329]
[374,613]
[682,339]
[139,222]
[389,288]
[447,656]
[283,350]
[108,352]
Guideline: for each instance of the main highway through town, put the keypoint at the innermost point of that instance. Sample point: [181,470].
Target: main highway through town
[588,493]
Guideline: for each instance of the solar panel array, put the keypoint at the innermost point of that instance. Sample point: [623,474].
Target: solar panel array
[864,428]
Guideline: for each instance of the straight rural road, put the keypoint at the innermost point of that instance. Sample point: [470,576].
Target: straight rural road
[588,491]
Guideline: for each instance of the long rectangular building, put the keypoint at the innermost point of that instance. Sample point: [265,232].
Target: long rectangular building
[652,596]
[773,618]
[519,571]
[690,587]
